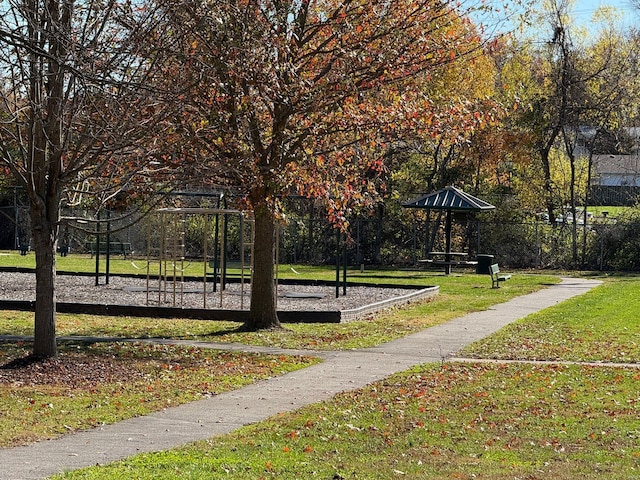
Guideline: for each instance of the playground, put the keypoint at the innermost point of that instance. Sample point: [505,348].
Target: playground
[310,300]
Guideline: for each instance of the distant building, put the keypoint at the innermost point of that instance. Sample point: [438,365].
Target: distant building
[615,174]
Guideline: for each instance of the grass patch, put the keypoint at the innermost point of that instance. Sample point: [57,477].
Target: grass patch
[459,295]
[80,263]
[83,263]
[437,422]
[612,211]
[600,326]
[90,385]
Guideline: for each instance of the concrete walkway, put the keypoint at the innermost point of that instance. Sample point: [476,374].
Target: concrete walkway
[340,371]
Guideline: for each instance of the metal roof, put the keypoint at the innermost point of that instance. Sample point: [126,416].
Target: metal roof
[450,198]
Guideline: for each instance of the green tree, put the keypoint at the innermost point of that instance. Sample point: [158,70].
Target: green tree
[562,86]
[438,150]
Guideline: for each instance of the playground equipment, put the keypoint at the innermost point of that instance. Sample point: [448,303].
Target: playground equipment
[167,257]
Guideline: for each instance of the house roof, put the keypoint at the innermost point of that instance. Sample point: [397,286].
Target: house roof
[450,198]
[616,165]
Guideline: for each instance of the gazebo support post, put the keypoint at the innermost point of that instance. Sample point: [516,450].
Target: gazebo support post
[447,231]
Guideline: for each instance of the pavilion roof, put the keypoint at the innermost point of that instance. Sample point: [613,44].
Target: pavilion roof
[450,198]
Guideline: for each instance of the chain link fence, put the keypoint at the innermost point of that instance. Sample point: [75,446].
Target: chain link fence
[608,244]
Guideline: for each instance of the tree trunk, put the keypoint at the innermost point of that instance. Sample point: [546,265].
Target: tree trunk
[548,184]
[44,244]
[572,199]
[263,313]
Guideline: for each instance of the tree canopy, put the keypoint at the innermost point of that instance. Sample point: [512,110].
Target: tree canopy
[307,97]
[334,100]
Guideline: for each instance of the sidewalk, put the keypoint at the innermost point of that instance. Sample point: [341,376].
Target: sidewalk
[340,371]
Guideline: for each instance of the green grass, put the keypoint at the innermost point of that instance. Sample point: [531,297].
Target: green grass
[455,420]
[83,263]
[601,326]
[137,265]
[435,422]
[459,294]
[89,385]
[612,211]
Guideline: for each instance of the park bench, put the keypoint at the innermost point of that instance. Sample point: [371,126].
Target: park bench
[234,268]
[115,248]
[496,277]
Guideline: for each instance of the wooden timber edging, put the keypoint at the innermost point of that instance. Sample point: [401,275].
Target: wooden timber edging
[285,316]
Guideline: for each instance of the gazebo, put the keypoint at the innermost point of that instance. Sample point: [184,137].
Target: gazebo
[449,199]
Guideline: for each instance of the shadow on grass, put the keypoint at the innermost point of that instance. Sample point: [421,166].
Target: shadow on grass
[21,362]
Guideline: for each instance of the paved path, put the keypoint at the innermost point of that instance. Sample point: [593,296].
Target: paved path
[340,371]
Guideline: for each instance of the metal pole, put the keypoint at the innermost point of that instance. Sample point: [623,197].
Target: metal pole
[337,263]
[174,254]
[241,218]
[149,228]
[415,243]
[204,255]
[277,262]
[98,251]
[344,269]
[222,260]
[216,238]
[108,254]
[447,257]
[225,249]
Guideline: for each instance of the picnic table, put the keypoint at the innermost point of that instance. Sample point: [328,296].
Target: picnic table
[448,260]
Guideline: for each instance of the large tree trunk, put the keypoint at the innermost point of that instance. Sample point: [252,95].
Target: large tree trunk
[44,244]
[263,313]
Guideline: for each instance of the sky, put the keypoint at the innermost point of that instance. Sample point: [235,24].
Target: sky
[582,12]
[584,9]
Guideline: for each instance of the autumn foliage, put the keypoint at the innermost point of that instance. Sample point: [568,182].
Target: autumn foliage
[308,97]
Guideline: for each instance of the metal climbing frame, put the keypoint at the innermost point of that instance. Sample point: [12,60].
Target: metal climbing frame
[166,247]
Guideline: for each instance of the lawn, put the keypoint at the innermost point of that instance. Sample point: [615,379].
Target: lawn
[602,326]
[459,294]
[90,385]
[43,409]
[447,421]
[451,420]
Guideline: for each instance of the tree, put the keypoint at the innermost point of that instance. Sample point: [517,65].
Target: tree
[75,104]
[595,90]
[565,85]
[438,151]
[305,96]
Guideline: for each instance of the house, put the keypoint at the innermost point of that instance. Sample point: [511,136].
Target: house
[615,179]
[615,173]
